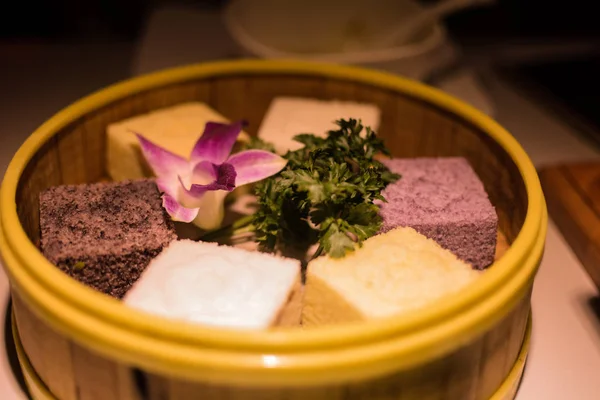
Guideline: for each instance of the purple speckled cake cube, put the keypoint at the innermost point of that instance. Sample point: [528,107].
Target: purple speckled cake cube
[443,199]
[104,234]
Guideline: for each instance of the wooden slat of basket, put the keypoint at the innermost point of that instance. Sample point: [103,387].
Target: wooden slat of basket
[49,352]
[89,367]
[72,155]
[41,173]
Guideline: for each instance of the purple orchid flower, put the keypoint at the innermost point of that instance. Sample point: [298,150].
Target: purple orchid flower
[194,190]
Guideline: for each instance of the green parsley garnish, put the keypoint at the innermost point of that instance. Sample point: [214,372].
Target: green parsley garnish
[324,195]
[256,143]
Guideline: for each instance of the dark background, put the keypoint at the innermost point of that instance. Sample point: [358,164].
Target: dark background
[569,86]
[507,19]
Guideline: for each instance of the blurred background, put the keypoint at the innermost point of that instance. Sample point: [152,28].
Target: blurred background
[531,65]
[53,52]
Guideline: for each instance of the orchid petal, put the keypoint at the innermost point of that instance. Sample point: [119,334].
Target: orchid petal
[212,210]
[163,162]
[169,186]
[216,142]
[226,176]
[178,212]
[203,173]
[255,165]
[191,197]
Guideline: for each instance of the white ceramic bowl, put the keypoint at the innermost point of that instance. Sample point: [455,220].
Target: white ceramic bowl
[323,31]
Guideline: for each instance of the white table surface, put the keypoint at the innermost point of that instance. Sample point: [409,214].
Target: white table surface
[564,361]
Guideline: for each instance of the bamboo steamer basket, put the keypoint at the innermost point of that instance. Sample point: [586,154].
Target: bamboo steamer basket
[75,343]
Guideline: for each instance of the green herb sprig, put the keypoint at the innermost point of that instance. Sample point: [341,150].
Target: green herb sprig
[256,143]
[324,195]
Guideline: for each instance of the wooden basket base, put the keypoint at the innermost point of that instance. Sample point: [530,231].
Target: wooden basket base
[39,391]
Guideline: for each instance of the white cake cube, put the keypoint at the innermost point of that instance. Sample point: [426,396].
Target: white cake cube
[222,286]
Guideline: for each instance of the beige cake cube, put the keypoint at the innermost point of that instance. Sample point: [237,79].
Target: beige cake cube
[175,128]
[290,116]
[392,273]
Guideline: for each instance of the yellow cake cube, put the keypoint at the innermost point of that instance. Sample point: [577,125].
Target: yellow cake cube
[175,128]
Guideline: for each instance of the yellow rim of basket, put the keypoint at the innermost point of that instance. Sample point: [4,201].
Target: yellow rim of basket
[39,391]
[105,324]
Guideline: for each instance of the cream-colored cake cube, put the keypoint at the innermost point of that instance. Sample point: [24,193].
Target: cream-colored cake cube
[290,116]
[395,272]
